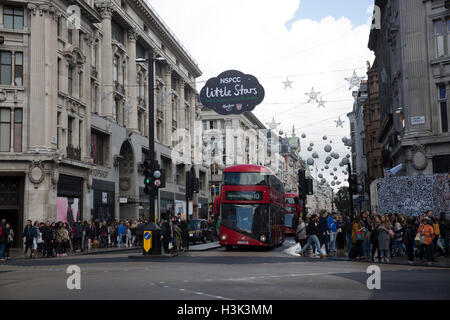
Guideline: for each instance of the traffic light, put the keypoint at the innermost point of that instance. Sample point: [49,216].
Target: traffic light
[147,178]
[353,184]
[195,185]
[301,184]
[154,177]
[309,187]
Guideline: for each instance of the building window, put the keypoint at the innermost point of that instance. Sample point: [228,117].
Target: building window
[69,131]
[5,129]
[140,121]
[124,72]
[18,69]
[187,116]
[58,130]
[70,80]
[98,147]
[116,69]
[439,38]
[443,107]
[139,93]
[80,131]
[13,17]
[58,27]
[5,68]
[18,116]
[69,36]
[80,85]
[116,111]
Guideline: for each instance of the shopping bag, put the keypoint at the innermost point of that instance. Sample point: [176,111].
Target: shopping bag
[441,243]
[417,239]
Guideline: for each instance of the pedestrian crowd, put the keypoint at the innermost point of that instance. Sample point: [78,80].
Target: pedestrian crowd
[375,237]
[58,239]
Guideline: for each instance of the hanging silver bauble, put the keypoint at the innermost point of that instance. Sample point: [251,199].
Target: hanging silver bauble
[332,183]
[341,164]
[312,144]
[310,161]
[324,138]
[323,181]
[281,132]
[315,155]
[303,135]
[334,169]
[348,156]
[327,167]
[328,159]
[344,140]
[338,182]
[310,149]
[320,176]
[336,156]
[327,148]
[335,177]
[345,161]
[331,141]
[349,142]
[331,174]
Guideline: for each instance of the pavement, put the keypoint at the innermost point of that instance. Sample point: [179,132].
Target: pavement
[242,274]
[440,262]
[17,253]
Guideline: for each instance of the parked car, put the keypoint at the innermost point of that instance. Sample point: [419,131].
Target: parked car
[198,230]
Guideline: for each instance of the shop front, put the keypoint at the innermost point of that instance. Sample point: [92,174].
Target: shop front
[69,202]
[102,201]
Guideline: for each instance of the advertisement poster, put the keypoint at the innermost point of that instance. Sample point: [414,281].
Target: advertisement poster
[180,207]
[68,210]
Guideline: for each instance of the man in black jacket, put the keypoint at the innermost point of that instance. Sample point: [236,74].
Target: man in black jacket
[313,231]
[47,236]
[77,236]
[444,228]
[323,237]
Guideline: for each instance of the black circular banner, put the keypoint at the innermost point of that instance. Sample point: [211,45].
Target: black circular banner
[232,92]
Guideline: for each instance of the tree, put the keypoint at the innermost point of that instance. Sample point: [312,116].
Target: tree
[342,200]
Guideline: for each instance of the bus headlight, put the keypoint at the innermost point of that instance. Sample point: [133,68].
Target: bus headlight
[263,238]
[223,237]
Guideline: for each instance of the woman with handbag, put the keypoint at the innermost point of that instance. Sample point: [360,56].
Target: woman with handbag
[357,239]
[384,238]
[374,238]
[426,238]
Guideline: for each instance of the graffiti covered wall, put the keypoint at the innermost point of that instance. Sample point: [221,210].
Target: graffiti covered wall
[413,195]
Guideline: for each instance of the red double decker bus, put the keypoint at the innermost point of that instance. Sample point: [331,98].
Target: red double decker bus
[293,212]
[252,207]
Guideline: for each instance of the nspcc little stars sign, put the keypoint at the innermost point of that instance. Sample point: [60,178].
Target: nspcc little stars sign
[232,92]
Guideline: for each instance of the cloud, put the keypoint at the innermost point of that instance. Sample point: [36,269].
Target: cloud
[251,36]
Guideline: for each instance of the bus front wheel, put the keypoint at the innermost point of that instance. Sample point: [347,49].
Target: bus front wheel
[228,247]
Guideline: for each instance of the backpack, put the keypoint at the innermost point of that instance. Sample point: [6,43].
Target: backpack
[31,233]
[1,231]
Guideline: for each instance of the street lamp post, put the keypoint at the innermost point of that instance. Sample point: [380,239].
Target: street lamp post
[152,226]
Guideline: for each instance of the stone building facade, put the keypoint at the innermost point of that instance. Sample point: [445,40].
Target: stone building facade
[372,125]
[74,109]
[412,50]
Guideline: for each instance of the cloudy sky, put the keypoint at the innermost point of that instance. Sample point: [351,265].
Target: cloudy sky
[314,43]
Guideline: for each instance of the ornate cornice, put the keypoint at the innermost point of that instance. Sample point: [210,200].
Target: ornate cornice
[133,34]
[105,8]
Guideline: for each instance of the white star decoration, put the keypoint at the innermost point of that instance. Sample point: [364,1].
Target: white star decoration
[354,81]
[321,103]
[288,83]
[273,125]
[313,96]
[339,122]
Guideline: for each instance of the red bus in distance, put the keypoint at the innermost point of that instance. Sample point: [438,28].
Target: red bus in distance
[251,208]
[293,212]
